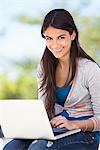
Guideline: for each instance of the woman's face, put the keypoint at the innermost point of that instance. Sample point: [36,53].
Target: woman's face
[59,41]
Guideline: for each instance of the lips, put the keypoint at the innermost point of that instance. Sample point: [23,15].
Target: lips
[58,50]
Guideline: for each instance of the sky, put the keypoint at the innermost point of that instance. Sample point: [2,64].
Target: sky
[10,8]
[92,9]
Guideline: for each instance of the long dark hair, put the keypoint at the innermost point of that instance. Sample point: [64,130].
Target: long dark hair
[60,19]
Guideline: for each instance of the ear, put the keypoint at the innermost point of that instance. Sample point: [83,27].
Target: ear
[73,35]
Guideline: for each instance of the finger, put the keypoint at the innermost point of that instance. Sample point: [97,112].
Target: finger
[58,120]
[61,126]
[55,119]
[61,121]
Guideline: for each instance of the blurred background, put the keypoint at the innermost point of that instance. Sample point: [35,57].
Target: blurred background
[21,44]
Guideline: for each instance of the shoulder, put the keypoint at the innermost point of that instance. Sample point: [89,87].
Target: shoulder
[88,64]
[88,69]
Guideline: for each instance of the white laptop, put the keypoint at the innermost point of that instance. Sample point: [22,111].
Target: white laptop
[27,119]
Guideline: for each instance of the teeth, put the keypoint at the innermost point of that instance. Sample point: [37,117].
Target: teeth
[57,50]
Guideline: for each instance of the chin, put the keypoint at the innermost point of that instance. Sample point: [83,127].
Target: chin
[57,56]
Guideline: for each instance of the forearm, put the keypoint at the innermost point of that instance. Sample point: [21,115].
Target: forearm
[84,125]
[61,122]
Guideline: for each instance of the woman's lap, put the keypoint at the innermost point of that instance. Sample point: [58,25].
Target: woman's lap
[18,144]
[78,141]
[38,145]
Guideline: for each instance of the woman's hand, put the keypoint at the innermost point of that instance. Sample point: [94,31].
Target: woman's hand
[61,122]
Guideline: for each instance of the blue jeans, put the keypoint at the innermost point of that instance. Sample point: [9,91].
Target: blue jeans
[78,141]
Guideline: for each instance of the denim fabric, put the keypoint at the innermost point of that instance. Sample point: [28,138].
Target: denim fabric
[78,141]
[38,145]
[18,144]
[98,136]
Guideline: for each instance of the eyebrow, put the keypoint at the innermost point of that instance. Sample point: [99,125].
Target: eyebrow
[58,36]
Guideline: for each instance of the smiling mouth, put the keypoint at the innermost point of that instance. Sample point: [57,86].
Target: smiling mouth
[59,50]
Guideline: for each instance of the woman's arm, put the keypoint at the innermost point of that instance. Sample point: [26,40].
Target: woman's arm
[61,122]
[93,84]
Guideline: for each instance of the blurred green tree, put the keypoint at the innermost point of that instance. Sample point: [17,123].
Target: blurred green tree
[25,85]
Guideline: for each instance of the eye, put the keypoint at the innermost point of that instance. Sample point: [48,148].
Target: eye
[61,37]
[48,38]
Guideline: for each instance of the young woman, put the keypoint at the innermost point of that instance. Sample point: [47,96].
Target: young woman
[69,85]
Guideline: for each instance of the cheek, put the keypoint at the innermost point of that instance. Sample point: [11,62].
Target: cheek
[67,43]
[49,45]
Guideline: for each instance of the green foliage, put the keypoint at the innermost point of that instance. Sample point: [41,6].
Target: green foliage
[90,39]
[29,20]
[7,88]
[25,87]
[26,65]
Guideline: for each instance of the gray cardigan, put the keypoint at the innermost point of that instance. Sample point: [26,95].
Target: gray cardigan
[84,96]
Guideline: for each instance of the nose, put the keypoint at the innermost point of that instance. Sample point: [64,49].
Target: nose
[55,45]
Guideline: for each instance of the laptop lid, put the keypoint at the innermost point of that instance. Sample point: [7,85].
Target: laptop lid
[24,119]
[27,119]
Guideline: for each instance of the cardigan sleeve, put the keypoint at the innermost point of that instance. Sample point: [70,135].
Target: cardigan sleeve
[92,71]
[41,94]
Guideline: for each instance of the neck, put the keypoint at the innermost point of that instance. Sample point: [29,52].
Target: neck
[64,62]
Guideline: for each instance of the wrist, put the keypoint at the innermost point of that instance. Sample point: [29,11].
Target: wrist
[84,125]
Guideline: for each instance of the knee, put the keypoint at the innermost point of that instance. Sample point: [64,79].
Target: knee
[17,145]
[6,147]
[38,144]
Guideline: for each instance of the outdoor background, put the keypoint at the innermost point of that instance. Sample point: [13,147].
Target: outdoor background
[21,44]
